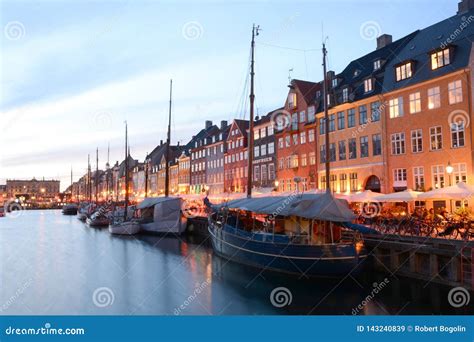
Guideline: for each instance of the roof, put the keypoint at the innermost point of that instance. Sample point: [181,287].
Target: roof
[308,89]
[159,152]
[131,164]
[242,124]
[152,201]
[455,31]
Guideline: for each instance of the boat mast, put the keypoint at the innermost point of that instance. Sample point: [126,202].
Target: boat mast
[168,141]
[89,176]
[107,166]
[96,175]
[255,30]
[326,119]
[126,172]
[71,183]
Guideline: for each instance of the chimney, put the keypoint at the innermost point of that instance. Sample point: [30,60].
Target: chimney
[161,142]
[330,75]
[223,124]
[384,40]
[465,5]
[208,124]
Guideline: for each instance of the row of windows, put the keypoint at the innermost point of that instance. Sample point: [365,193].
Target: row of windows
[295,161]
[398,141]
[214,164]
[342,123]
[349,150]
[235,143]
[262,132]
[438,176]
[262,150]
[232,158]
[263,172]
[238,172]
[295,139]
[439,59]
[455,95]
[291,185]
[333,180]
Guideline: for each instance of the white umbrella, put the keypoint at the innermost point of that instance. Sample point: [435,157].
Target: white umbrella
[364,196]
[458,191]
[401,196]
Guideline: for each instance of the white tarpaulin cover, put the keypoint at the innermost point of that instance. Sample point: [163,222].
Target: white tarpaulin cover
[364,196]
[322,206]
[458,191]
[167,216]
[401,196]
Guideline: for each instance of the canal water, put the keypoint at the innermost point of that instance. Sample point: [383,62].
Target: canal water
[52,264]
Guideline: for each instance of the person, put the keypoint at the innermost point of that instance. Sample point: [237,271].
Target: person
[431,215]
[444,213]
[424,214]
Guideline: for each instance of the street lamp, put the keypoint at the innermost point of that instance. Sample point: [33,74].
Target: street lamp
[449,171]
[276,184]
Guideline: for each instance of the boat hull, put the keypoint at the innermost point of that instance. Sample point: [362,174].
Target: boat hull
[124,228]
[330,260]
[98,223]
[70,211]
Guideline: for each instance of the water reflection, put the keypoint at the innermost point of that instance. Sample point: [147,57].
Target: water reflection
[53,264]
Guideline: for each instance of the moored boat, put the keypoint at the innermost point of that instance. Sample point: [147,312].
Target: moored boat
[2,212]
[301,235]
[99,219]
[70,209]
[162,215]
[130,227]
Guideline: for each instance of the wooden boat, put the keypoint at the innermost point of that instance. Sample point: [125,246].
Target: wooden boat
[70,209]
[300,235]
[130,227]
[99,219]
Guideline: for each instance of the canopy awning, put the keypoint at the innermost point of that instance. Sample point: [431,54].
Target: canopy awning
[401,196]
[152,201]
[364,196]
[458,191]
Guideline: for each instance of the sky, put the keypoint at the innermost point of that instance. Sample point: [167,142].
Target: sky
[72,72]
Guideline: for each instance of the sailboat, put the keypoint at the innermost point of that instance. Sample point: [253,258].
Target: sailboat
[101,217]
[127,225]
[70,208]
[300,234]
[164,214]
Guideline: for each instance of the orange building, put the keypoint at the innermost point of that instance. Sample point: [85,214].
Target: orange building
[295,137]
[236,156]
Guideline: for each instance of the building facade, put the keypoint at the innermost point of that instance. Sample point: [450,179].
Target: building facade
[236,157]
[264,173]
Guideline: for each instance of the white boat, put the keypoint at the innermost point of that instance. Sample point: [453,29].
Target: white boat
[162,215]
[125,228]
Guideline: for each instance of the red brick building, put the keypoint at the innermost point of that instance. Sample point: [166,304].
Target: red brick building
[235,159]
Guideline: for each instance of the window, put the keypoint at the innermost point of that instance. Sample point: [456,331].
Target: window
[322,153]
[377,64]
[288,162]
[342,150]
[415,103]
[460,173]
[292,100]
[263,150]
[368,85]
[333,182]
[362,115]
[417,141]
[263,132]
[304,161]
[264,172]
[256,151]
[256,134]
[440,59]
[256,173]
[295,139]
[434,98]
[400,176]
[403,71]
[398,143]
[311,112]
[323,182]
[341,120]
[312,158]
[281,163]
[345,94]
[342,182]
[396,107]
[352,148]
[334,82]
[332,152]
[419,177]
[271,171]
[303,137]
[294,161]
[271,148]
[280,142]
[332,122]
[302,116]
[376,144]
[288,141]
[375,110]
[436,138]
[353,181]
[322,127]
[457,134]
[455,92]
[311,135]
[351,118]
[270,130]
[364,147]
[437,174]
[294,121]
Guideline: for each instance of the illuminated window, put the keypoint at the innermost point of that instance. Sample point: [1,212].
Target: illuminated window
[419,177]
[312,158]
[404,71]
[400,175]
[455,92]
[304,161]
[343,182]
[434,98]
[303,137]
[311,135]
[398,143]
[302,116]
[396,107]
[415,103]
[292,100]
[437,174]
[377,64]
[457,134]
[417,141]
[342,150]
[436,138]
[460,173]
[345,94]
[368,85]
[353,181]
[440,59]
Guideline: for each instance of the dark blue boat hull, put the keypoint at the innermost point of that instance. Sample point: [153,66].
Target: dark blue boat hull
[333,260]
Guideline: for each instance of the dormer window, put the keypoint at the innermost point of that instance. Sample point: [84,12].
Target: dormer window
[318,94]
[292,100]
[334,82]
[368,85]
[404,71]
[356,72]
[328,99]
[377,64]
[345,94]
[440,58]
